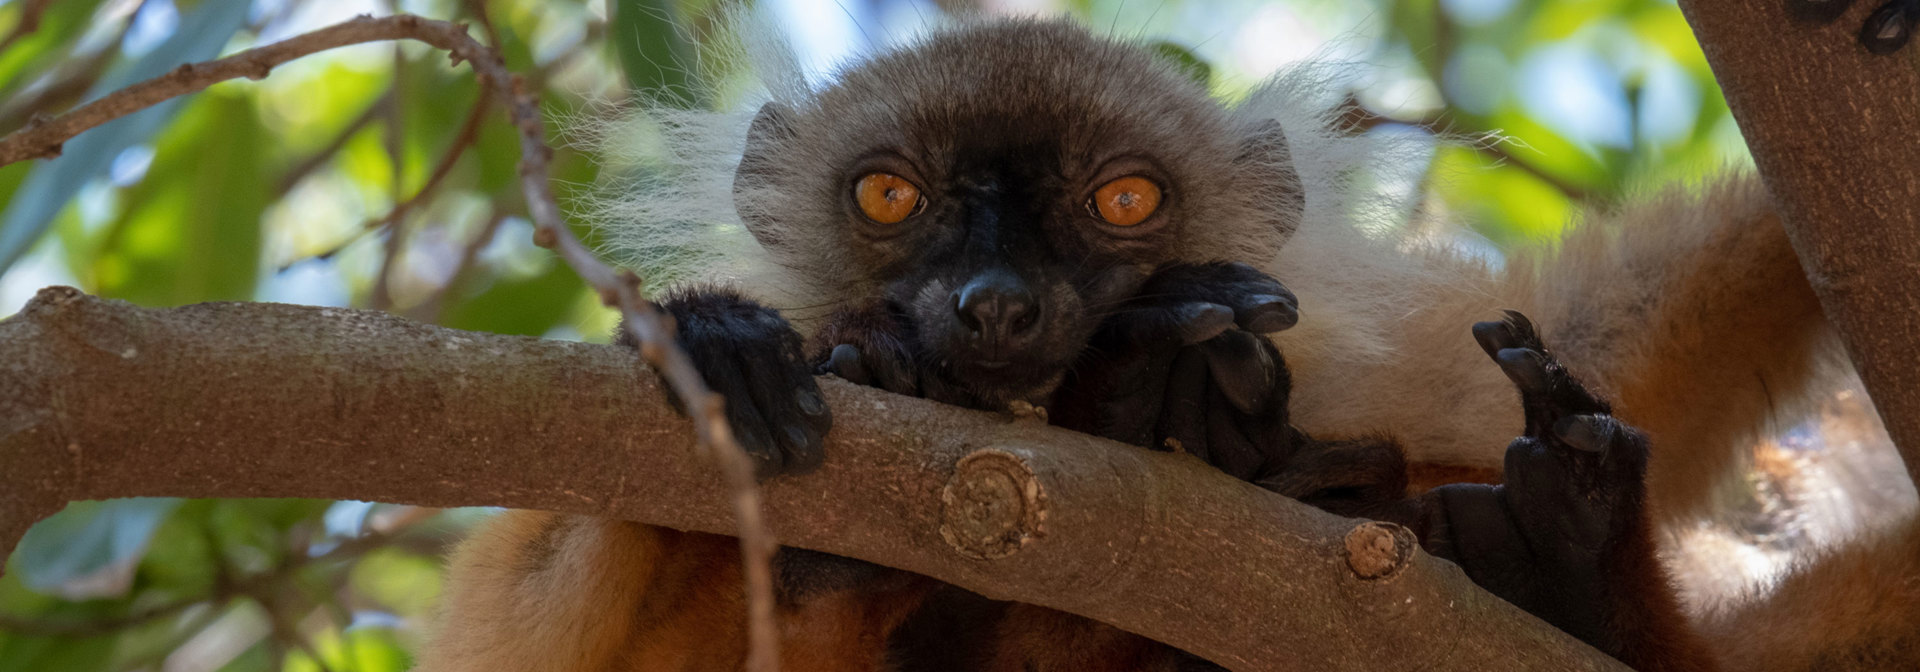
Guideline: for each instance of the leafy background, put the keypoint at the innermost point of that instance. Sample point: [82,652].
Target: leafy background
[362,177]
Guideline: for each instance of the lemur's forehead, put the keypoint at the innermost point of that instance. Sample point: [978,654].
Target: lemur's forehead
[1019,83]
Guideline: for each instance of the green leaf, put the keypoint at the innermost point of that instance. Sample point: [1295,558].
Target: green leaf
[359,649]
[404,583]
[527,306]
[656,56]
[87,537]
[60,26]
[41,654]
[200,36]
[191,231]
[1186,61]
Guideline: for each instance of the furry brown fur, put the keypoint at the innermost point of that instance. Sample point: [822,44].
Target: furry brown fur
[1689,309]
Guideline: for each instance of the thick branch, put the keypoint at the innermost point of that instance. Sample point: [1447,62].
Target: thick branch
[99,399]
[1834,130]
[644,321]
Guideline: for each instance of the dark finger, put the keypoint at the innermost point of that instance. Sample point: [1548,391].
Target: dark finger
[1590,433]
[1267,313]
[845,362]
[749,427]
[1183,415]
[771,378]
[1242,370]
[1516,331]
[1527,368]
[806,396]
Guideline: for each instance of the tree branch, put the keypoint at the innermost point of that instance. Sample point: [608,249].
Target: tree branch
[100,399]
[1834,130]
[43,138]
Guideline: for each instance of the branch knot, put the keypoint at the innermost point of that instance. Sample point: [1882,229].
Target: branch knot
[992,506]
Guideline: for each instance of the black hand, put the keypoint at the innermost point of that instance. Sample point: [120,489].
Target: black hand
[868,345]
[751,357]
[1565,536]
[1170,370]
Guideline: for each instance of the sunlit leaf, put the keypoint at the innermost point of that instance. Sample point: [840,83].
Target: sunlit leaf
[1183,58]
[201,34]
[60,26]
[529,307]
[191,230]
[404,583]
[370,649]
[658,60]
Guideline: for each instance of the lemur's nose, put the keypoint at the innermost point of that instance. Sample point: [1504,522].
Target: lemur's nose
[997,307]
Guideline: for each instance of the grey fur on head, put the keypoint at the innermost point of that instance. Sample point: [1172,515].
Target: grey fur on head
[1251,174]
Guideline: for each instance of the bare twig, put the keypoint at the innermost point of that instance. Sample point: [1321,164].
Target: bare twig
[96,626]
[620,289]
[71,80]
[1355,117]
[430,309]
[319,158]
[395,222]
[395,219]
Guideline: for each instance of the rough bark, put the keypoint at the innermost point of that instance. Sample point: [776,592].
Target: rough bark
[100,399]
[1835,133]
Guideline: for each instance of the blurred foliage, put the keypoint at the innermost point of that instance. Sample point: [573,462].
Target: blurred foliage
[287,189]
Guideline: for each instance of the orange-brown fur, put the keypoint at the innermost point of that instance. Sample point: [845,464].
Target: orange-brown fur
[536,591]
[1689,309]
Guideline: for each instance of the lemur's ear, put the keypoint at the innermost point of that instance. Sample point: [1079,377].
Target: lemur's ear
[760,161]
[1268,161]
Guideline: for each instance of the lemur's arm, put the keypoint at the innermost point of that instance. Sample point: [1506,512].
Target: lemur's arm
[1567,537]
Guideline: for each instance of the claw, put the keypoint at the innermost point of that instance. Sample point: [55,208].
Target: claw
[1199,322]
[1242,369]
[1591,433]
[1269,313]
[845,363]
[1526,367]
[1516,331]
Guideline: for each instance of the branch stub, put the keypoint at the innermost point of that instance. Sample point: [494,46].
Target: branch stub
[1379,550]
[992,506]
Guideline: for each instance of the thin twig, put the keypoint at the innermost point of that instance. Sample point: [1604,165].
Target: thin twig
[97,626]
[1357,118]
[430,309]
[617,288]
[70,81]
[314,161]
[396,219]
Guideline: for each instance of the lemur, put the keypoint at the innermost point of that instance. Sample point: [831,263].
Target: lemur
[1020,210]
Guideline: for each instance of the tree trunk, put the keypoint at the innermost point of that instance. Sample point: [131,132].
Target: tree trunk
[1835,132]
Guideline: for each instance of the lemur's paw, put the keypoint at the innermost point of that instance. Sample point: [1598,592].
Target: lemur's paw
[1183,365]
[1218,309]
[867,345]
[751,356]
[1890,27]
[1548,393]
[1576,472]
[1886,30]
[1257,302]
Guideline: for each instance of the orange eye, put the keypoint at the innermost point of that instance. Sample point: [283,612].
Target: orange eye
[887,198]
[1126,201]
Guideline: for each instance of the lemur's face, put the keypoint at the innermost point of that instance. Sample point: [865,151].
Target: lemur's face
[1002,252]
[1004,210]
